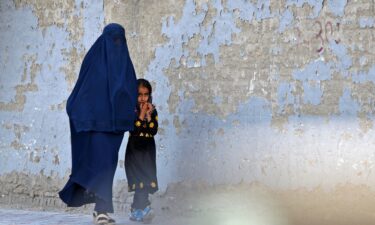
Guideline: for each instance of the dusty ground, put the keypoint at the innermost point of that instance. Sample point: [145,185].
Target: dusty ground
[244,204]
[258,205]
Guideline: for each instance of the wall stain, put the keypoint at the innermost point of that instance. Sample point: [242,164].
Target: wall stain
[49,13]
[18,130]
[28,84]
[74,58]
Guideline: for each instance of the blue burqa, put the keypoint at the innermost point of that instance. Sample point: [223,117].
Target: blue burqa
[100,109]
[105,95]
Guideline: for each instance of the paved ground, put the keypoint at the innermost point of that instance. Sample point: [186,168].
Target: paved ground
[229,205]
[33,217]
[24,217]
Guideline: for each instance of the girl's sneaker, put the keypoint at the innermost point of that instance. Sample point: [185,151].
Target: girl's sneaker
[136,215]
[146,215]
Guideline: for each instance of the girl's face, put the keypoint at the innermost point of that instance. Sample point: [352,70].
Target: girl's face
[143,95]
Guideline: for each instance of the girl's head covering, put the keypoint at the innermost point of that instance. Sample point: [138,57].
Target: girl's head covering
[105,95]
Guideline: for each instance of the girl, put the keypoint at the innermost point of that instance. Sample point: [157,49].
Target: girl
[140,157]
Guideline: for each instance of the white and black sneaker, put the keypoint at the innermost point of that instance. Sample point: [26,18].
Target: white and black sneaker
[103,219]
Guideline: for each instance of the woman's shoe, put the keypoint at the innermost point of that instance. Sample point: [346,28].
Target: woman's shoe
[103,219]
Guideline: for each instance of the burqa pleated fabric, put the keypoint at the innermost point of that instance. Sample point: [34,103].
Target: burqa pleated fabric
[105,95]
[100,109]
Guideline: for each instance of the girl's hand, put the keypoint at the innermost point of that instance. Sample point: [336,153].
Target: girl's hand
[144,107]
[150,108]
[143,110]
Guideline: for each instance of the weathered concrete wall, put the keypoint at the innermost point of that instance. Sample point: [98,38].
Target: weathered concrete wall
[276,92]
[42,46]
[280,92]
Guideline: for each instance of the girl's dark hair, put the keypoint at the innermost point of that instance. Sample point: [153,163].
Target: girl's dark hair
[144,83]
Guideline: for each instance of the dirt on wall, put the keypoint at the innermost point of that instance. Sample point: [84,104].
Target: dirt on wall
[255,63]
[256,58]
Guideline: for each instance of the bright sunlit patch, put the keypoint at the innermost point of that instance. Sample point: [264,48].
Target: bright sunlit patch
[239,206]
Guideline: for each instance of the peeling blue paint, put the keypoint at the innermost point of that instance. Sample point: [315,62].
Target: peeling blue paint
[317,5]
[13,47]
[363,77]
[312,93]
[347,105]
[246,9]
[187,26]
[190,63]
[201,129]
[362,60]
[276,50]
[263,10]
[286,19]
[216,149]
[341,52]
[179,34]
[284,95]
[316,70]
[48,133]
[218,100]
[366,22]
[255,110]
[217,33]
[93,26]
[337,7]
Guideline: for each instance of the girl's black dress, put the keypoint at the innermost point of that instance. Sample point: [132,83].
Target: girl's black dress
[140,157]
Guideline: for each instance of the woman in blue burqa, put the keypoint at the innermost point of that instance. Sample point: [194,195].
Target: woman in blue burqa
[100,109]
